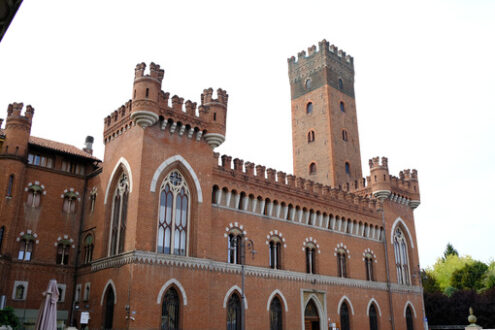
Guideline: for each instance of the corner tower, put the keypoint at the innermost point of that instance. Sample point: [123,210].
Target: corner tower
[325,139]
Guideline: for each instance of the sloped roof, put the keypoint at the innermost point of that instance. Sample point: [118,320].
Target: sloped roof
[61,147]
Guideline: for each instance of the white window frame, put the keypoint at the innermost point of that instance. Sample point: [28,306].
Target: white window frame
[24,295]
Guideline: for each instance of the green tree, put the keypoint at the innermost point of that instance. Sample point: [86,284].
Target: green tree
[7,317]
[489,278]
[443,269]
[429,282]
[470,276]
[449,251]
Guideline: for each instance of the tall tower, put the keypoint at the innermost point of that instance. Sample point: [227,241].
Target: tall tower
[325,137]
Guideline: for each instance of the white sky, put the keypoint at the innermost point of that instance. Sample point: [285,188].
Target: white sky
[425,78]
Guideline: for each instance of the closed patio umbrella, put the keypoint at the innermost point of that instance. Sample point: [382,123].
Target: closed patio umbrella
[47,316]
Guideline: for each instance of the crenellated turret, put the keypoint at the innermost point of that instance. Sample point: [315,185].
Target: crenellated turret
[214,112]
[17,129]
[410,178]
[146,93]
[379,177]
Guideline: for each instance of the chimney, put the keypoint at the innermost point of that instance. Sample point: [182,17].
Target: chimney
[88,144]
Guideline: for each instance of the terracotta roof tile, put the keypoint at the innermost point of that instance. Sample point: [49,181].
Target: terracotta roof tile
[61,147]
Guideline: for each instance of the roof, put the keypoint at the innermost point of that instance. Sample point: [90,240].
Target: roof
[60,147]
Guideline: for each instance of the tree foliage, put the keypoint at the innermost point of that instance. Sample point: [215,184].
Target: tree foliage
[450,251]
[7,317]
[443,269]
[470,276]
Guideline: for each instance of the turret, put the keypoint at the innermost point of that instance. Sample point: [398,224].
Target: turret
[379,177]
[17,130]
[146,92]
[214,112]
[411,178]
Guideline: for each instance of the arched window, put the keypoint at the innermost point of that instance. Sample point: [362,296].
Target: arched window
[88,248]
[373,318]
[368,263]
[234,246]
[310,259]
[312,168]
[70,198]
[341,84]
[342,106]
[275,246]
[311,136]
[409,319]
[275,314]
[347,168]
[63,249]
[170,310]
[173,217]
[234,312]
[344,135]
[26,248]
[345,323]
[309,108]
[34,195]
[401,258]
[307,84]
[10,185]
[119,216]
[342,262]
[109,306]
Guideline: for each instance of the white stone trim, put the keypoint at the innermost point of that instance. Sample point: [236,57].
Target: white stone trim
[348,301]
[322,310]
[373,301]
[167,285]
[24,295]
[409,303]
[167,162]
[62,295]
[109,283]
[227,295]
[122,161]
[397,221]
[275,292]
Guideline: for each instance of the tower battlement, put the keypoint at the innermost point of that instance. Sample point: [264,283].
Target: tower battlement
[155,71]
[207,97]
[14,112]
[326,55]
[375,163]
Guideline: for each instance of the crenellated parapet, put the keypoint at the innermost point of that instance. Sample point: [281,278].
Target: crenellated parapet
[17,129]
[270,178]
[150,105]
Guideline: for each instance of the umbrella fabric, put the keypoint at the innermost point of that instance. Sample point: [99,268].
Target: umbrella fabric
[47,315]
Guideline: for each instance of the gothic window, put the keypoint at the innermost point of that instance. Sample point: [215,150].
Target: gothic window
[312,168]
[234,312]
[409,319]
[345,323]
[309,108]
[63,249]
[234,246]
[347,168]
[368,263]
[373,317]
[170,310]
[342,262]
[275,314]
[341,84]
[34,194]
[173,215]
[10,185]
[70,197]
[88,248]
[310,259]
[342,106]
[401,258]
[109,308]
[25,248]
[275,246]
[344,135]
[119,216]
[311,136]
[87,289]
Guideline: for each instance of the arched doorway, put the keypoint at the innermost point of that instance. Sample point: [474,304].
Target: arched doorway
[345,323]
[234,312]
[108,312]
[409,319]
[170,310]
[311,317]
[373,318]
[275,314]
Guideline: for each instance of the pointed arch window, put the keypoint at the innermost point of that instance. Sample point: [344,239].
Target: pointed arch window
[119,216]
[88,248]
[234,312]
[173,215]
[409,319]
[373,318]
[170,310]
[275,314]
[401,257]
[345,323]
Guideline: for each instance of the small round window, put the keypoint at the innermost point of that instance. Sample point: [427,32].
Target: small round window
[307,84]
[309,107]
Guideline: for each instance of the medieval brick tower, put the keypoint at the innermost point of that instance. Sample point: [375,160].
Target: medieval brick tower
[325,137]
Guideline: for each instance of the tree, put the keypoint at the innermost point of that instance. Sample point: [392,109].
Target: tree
[489,278]
[470,276]
[443,269]
[449,251]
[429,282]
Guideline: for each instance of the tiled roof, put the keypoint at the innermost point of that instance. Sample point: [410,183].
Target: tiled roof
[61,147]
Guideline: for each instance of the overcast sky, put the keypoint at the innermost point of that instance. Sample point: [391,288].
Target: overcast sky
[425,78]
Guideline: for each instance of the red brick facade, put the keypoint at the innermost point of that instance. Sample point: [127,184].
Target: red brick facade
[160,215]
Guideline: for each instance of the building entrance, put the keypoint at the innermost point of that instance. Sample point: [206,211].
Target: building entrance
[311,317]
